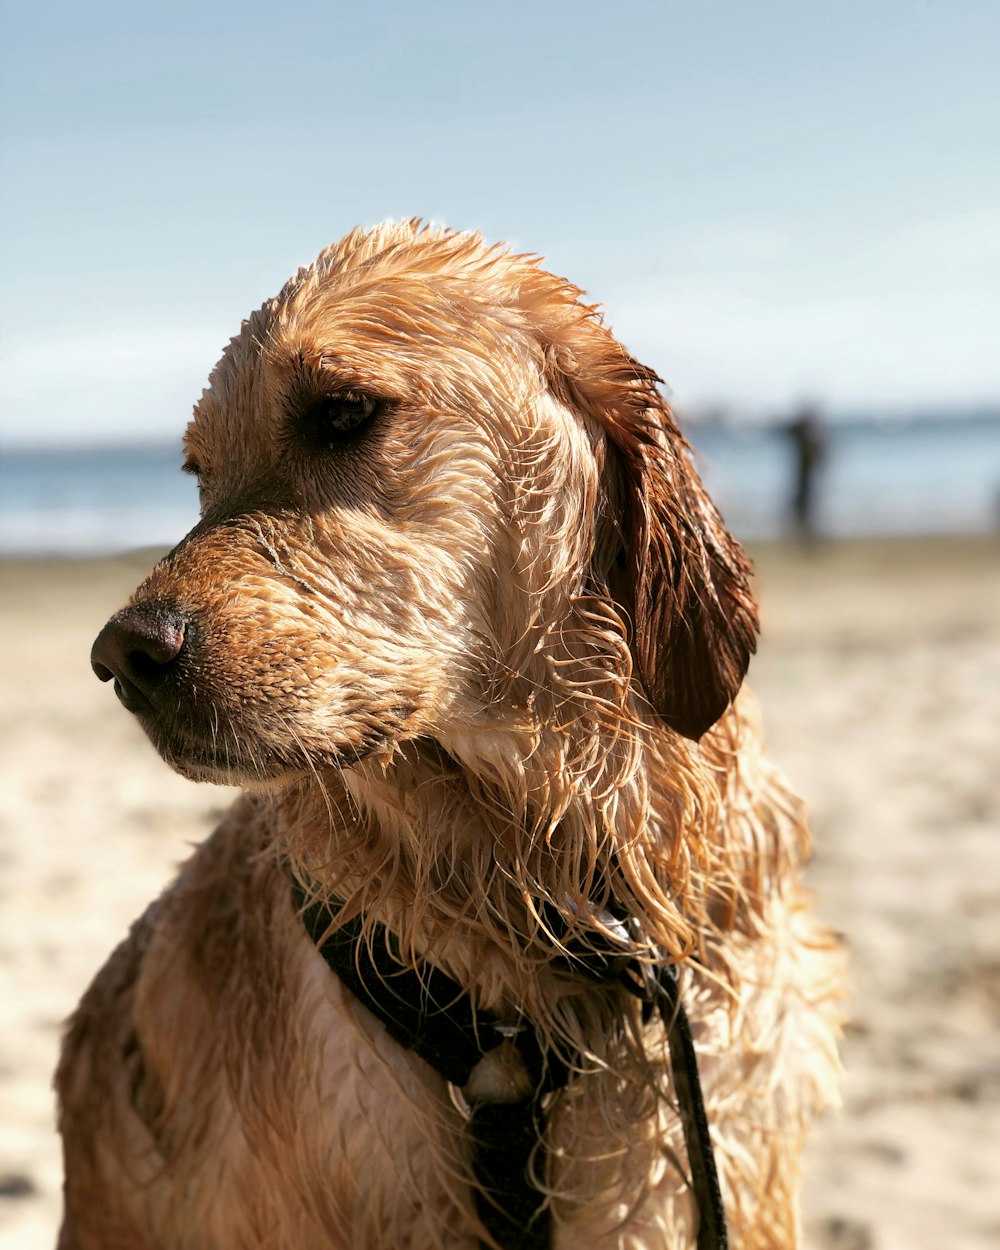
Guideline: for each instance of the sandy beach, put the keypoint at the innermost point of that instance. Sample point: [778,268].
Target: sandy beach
[879,677]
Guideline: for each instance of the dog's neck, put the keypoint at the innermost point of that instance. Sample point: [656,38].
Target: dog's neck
[459,846]
[457,864]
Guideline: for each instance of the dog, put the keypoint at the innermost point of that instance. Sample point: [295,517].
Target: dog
[460,618]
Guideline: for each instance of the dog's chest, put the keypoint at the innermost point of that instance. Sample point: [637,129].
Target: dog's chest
[295,1120]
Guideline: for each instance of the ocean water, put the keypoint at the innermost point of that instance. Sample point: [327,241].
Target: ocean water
[928,475]
[921,476]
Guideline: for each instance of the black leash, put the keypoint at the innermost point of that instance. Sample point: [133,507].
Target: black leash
[426,1011]
[694,1120]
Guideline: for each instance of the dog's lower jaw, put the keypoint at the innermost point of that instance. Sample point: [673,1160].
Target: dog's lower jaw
[250,771]
[258,766]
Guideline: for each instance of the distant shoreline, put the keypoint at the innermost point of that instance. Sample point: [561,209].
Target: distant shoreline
[783,544]
[693,419]
[881,477]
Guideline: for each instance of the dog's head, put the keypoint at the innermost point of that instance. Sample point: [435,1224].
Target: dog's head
[414,464]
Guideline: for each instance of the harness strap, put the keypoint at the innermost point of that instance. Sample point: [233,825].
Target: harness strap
[426,1011]
[506,1136]
[423,1009]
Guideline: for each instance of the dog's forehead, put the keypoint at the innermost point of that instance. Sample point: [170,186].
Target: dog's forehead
[440,321]
[236,394]
[394,329]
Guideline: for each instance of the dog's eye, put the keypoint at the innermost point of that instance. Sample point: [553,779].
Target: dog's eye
[192,467]
[338,414]
[331,420]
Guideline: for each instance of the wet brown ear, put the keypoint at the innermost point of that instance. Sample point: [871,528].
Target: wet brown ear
[681,577]
[661,550]
[686,581]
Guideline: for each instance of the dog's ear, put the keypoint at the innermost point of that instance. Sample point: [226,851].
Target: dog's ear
[665,555]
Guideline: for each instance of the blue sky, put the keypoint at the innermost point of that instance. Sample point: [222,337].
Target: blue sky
[772,200]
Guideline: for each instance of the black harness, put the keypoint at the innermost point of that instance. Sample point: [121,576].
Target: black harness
[426,1011]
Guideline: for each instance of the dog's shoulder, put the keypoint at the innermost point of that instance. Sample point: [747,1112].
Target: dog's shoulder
[199,1058]
[137,997]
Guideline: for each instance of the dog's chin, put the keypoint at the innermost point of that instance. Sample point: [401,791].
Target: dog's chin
[247,777]
[252,770]
[255,766]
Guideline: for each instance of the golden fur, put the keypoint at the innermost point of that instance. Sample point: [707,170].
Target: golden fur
[474,656]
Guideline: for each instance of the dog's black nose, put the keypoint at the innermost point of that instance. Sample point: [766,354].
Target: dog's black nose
[137,648]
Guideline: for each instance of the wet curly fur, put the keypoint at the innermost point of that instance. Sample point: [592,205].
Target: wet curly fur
[462,620]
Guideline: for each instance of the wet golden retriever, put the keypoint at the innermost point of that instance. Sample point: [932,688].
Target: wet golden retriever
[462,620]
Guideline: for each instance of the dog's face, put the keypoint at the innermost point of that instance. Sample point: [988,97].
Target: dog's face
[414,465]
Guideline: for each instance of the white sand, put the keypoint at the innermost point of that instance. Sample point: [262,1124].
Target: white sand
[880,682]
